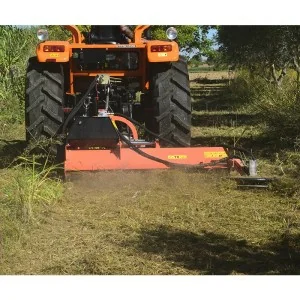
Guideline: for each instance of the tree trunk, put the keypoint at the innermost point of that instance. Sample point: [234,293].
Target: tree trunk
[297,68]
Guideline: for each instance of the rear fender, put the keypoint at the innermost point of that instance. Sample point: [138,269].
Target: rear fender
[59,57]
[172,55]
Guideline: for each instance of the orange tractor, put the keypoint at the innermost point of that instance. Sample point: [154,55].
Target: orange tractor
[96,89]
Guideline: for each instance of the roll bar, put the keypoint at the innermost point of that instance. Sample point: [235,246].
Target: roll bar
[77,37]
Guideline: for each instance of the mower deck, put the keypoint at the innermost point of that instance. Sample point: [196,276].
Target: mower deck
[134,154]
[127,159]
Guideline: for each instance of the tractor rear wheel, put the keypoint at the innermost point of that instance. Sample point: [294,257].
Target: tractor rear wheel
[44,99]
[170,101]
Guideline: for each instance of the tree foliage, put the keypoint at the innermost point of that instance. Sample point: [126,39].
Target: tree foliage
[58,32]
[192,39]
[265,50]
[187,35]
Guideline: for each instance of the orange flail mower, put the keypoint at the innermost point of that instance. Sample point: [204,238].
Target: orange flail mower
[118,100]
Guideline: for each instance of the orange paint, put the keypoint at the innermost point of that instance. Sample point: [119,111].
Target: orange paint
[126,122]
[139,44]
[44,54]
[161,56]
[128,159]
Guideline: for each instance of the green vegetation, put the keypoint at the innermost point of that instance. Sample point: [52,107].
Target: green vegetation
[16,46]
[26,190]
[200,68]
[254,114]
[278,107]
[267,84]
[278,110]
[267,51]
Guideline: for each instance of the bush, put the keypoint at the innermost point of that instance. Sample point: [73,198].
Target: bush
[287,168]
[30,188]
[280,109]
[277,107]
[245,88]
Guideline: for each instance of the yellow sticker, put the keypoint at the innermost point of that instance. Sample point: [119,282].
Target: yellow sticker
[217,154]
[162,54]
[177,156]
[54,55]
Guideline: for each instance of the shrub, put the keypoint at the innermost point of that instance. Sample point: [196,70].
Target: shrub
[244,88]
[30,188]
[277,107]
[280,109]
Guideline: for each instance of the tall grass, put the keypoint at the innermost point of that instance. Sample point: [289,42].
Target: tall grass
[27,190]
[278,107]
[16,46]
[245,88]
[31,188]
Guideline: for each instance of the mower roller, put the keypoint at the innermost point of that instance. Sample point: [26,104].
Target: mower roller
[116,99]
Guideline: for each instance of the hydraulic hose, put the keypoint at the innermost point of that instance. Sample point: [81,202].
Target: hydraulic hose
[243,150]
[165,162]
[146,129]
[174,144]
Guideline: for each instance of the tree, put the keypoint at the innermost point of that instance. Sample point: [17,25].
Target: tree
[265,50]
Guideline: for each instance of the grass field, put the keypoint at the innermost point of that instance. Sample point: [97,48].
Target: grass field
[161,222]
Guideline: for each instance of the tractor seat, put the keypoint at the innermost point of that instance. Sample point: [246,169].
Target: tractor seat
[105,34]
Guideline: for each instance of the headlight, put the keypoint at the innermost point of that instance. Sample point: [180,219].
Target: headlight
[42,35]
[171,33]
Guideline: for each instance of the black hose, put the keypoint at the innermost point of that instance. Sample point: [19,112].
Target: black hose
[146,129]
[243,150]
[165,162]
[174,144]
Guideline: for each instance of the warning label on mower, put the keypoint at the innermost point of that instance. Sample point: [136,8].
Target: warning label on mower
[126,46]
[216,154]
[177,156]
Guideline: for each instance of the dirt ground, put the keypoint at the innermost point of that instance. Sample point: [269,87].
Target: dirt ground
[210,75]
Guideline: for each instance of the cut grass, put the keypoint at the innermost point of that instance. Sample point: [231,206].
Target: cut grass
[9,132]
[161,222]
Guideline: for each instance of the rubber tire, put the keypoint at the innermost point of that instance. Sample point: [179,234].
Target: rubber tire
[44,99]
[170,100]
